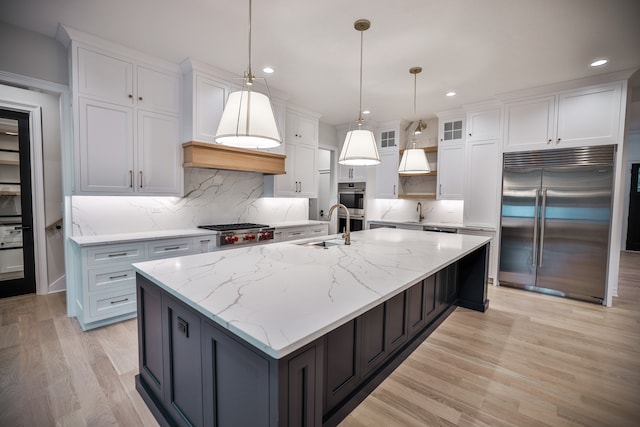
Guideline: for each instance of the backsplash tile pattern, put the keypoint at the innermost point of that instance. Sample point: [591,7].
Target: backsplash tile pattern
[211,197]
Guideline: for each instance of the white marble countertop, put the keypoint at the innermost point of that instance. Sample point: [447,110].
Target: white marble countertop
[282,296]
[139,237]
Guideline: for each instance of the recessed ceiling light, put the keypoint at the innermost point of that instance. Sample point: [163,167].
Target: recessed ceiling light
[599,62]
[366,112]
[268,70]
[450,93]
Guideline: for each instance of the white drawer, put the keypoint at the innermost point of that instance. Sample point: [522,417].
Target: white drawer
[107,254]
[101,279]
[296,233]
[205,244]
[170,248]
[104,305]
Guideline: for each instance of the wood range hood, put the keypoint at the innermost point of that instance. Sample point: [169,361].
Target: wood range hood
[215,156]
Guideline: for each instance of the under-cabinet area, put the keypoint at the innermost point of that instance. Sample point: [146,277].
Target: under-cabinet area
[191,358]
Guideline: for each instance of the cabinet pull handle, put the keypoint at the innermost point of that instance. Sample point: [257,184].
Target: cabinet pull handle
[440,190]
[140,179]
[130,179]
[394,189]
[116,255]
[120,300]
[171,248]
[205,241]
[119,276]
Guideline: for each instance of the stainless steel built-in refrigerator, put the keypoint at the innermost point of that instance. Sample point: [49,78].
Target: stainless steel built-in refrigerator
[556,213]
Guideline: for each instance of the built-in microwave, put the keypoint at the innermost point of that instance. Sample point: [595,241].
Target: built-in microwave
[352,195]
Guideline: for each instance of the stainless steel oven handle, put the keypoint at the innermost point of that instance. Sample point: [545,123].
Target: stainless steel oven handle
[534,248]
[543,215]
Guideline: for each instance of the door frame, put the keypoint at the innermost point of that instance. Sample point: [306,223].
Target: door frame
[627,189]
[37,163]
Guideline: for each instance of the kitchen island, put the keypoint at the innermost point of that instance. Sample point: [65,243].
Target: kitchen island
[295,333]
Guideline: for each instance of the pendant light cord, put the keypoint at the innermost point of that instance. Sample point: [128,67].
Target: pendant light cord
[249,73]
[360,107]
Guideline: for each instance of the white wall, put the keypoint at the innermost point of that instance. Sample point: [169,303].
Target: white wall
[434,211]
[31,54]
[211,197]
[327,135]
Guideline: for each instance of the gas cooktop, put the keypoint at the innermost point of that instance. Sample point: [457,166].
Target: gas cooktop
[233,227]
[240,233]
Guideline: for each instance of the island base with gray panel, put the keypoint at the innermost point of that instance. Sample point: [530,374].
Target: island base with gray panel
[194,371]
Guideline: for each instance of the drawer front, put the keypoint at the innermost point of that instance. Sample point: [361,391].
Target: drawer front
[293,234]
[110,278]
[322,230]
[104,305]
[104,255]
[170,248]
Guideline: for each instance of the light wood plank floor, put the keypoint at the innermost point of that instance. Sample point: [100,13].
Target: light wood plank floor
[531,360]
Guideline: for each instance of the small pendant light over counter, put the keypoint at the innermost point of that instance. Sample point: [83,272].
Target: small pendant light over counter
[359,148]
[414,160]
[248,120]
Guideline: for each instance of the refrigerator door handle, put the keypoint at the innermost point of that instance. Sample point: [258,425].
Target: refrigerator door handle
[543,215]
[535,230]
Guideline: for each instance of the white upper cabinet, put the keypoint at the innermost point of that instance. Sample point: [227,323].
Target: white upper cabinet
[109,77]
[589,116]
[387,171]
[204,99]
[483,125]
[126,122]
[105,76]
[106,153]
[529,123]
[451,172]
[301,164]
[451,131]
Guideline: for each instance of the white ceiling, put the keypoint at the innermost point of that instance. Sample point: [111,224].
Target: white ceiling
[476,47]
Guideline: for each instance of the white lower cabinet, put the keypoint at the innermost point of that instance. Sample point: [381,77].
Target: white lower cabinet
[106,285]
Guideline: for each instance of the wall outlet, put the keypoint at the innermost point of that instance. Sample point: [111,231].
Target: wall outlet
[156,209]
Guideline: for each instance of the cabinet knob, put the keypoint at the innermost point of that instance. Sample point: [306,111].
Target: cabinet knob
[139,98]
[549,142]
[469,134]
[559,139]
[130,96]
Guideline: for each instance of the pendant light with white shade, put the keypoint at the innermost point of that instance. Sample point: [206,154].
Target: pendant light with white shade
[248,120]
[414,160]
[359,148]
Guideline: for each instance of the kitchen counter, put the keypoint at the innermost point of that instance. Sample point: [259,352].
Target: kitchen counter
[139,237]
[282,296]
[457,226]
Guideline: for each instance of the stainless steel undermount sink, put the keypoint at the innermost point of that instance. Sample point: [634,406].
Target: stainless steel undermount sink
[326,244]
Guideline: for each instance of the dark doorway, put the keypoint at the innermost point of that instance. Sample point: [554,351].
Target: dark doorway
[633,221]
[17,262]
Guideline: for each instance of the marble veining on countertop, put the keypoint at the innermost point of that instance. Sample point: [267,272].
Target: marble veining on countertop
[139,237]
[281,296]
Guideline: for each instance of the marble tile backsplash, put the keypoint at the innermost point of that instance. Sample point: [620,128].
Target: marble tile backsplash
[211,197]
[435,211]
